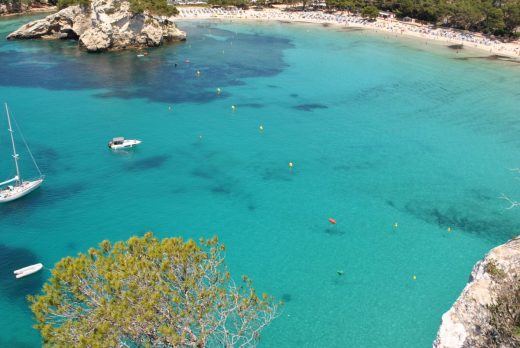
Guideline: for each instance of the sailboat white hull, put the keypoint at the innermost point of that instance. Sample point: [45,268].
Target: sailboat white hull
[14,192]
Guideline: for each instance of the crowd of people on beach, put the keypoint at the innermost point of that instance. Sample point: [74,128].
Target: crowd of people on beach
[347,19]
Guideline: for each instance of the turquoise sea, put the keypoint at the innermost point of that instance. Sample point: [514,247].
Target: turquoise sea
[381,130]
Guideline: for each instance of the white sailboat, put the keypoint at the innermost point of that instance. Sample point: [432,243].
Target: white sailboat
[16,187]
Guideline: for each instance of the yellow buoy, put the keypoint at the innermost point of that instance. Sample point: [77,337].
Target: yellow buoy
[414,277]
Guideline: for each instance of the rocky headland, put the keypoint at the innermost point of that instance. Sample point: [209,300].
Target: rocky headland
[103,25]
[487,313]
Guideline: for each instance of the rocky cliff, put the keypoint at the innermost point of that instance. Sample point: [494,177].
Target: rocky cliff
[103,25]
[15,7]
[11,7]
[487,313]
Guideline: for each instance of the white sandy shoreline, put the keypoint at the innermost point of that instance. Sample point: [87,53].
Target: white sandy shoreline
[342,19]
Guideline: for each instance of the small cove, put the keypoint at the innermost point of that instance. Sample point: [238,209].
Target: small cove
[380,131]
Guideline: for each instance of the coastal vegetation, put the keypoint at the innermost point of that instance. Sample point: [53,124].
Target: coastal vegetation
[20,6]
[505,319]
[497,17]
[487,16]
[156,7]
[66,3]
[370,12]
[150,292]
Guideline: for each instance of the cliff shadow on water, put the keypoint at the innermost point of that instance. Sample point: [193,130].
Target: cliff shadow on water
[165,74]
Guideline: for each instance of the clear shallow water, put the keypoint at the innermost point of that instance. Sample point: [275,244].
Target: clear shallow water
[380,131]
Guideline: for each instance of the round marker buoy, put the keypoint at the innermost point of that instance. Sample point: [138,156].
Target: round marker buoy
[291,165]
[414,278]
[198,72]
[449,229]
[233,108]
[261,128]
[396,225]
[219,91]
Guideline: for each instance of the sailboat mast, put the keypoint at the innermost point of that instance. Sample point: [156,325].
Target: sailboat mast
[15,155]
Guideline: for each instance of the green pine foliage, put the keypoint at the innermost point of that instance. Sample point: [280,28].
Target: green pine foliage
[237,3]
[18,5]
[147,292]
[370,12]
[498,17]
[156,7]
[66,3]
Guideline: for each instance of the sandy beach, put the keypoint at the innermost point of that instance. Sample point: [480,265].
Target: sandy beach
[344,19]
[31,11]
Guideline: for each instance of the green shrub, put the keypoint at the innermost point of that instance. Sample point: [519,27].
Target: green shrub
[505,318]
[370,12]
[157,7]
[66,3]
[494,271]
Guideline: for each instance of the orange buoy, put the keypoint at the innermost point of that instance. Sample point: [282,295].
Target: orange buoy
[332,221]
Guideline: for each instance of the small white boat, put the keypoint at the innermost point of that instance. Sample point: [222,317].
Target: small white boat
[23,272]
[10,193]
[16,187]
[122,143]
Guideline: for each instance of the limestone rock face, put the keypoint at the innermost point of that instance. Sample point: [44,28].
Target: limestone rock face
[68,23]
[104,25]
[11,7]
[95,40]
[20,7]
[474,320]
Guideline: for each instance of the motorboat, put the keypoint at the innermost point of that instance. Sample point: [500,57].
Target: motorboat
[122,143]
[23,272]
